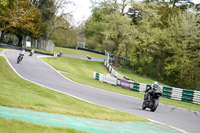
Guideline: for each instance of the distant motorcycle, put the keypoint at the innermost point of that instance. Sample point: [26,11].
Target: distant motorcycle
[154,99]
[31,52]
[89,57]
[19,58]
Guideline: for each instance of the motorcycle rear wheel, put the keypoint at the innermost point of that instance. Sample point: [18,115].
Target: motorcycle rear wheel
[18,60]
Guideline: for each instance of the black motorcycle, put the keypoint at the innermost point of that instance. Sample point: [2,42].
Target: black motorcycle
[154,98]
[19,59]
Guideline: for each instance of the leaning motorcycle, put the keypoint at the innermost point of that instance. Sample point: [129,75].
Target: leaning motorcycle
[31,52]
[19,59]
[154,99]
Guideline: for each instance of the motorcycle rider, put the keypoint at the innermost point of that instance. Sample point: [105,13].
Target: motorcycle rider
[22,53]
[148,91]
[31,52]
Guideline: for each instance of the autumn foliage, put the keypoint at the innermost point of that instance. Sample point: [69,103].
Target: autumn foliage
[21,17]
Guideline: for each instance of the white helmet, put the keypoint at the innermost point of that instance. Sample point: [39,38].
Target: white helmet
[155,83]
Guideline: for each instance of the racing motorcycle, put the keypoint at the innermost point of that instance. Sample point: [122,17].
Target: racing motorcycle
[19,58]
[89,57]
[155,94]
[31,52]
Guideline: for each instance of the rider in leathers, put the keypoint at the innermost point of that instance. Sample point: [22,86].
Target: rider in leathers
[148,91]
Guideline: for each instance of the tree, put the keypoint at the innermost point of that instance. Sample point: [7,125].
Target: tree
[148,50]
[5,16]
[46,7]
[117,29]
[97,26]
[21,18]
[184,62]
[53,13]
[162,43]
[3,4]
[61,34]
[94,26]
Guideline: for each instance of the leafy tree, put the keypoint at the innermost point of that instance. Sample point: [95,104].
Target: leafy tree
[96,27]
[162,43]
[3,4]
[21,18]
[46,7]
[166,12]
[61,34]
[184,37]
[117,29]
[147,53]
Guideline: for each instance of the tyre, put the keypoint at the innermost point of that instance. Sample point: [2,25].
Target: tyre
[144,105]
[18,60]
[155,105]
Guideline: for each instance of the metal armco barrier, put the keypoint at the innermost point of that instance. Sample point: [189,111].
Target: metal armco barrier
[185,95]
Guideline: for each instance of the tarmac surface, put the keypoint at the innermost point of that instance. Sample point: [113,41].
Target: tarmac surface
[37,71]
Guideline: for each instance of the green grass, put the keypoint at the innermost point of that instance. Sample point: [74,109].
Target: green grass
[1,49]
[15,126]
[16,92]
[135,77]
[78,52]
[82,71]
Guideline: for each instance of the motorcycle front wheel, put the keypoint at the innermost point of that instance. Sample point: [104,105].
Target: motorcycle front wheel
[18,60]
[155,105]
[143,105]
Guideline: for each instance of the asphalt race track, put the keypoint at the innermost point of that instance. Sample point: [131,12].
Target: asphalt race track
[33,69]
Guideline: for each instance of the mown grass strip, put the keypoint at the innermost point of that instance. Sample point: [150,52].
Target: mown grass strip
[78,52]
[82,71]
[16,126]
[1,49]
[16,92]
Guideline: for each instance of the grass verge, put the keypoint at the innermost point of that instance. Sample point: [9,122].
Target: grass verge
[16,92]
[1,49]
[25,127]
[82,71]
[78,52]
[135,77]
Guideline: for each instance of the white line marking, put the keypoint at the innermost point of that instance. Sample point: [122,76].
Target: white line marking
[167,125]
